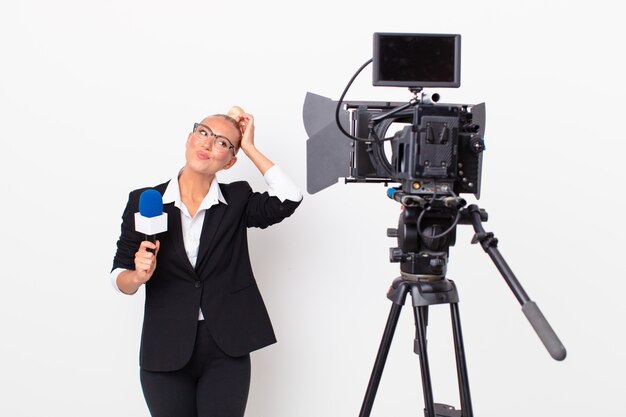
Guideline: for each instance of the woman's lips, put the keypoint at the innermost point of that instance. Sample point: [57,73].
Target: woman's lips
[202,155]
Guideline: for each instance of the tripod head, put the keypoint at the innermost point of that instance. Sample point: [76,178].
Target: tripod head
[426,230]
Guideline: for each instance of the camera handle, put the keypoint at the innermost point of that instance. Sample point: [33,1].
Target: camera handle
[530,309]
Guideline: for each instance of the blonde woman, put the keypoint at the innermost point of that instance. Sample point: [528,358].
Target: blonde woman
[203,311]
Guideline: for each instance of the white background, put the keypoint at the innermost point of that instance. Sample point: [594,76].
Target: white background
[97,98]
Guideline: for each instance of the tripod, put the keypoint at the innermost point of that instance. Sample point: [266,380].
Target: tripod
[425,233]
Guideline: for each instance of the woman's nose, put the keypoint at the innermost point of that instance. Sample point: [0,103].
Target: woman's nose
[207,143]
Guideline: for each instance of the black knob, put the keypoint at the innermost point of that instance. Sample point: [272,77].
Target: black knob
[395,255]
[477,145]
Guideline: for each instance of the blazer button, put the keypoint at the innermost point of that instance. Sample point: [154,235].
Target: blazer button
[197,284]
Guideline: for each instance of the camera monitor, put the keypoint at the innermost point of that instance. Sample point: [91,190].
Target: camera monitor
[417,60]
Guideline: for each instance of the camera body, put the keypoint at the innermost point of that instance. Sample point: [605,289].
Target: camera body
[438,149]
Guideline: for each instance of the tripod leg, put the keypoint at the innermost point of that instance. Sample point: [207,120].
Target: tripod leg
[461,365]
[421,314]
[390,328]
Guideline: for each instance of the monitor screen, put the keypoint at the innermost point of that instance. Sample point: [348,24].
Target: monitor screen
[417,60]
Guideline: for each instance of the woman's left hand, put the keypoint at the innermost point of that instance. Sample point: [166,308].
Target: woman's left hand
[246,124]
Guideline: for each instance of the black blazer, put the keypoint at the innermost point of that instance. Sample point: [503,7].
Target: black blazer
[222,283]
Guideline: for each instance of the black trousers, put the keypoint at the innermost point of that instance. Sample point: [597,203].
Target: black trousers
[212,384]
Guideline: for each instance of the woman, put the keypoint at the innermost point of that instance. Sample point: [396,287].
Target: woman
[203,311]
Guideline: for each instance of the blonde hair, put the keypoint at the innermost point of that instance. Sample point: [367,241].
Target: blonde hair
[234,112]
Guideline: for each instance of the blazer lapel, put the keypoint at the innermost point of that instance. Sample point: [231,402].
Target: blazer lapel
[176,232]
[212,222]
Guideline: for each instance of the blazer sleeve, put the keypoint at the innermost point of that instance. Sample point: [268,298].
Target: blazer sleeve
[263,210]
[129,239]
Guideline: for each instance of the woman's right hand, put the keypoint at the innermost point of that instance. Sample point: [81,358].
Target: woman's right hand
[145,261]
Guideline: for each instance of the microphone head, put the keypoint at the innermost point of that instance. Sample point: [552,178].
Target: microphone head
[150,203]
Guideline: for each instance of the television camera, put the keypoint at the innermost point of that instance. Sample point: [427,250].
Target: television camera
[435,157]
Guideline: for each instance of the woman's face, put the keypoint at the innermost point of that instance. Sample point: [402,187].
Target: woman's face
[202,154]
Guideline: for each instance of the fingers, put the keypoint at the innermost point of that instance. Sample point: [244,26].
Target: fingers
[246,124]
[146,244]
[244,117]
[145,261]
[245,120]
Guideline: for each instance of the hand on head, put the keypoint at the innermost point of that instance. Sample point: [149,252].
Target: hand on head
[245,121]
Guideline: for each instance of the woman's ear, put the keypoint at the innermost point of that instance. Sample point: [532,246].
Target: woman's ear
[230,163]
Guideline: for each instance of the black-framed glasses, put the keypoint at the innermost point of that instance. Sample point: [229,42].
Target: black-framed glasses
[220,143]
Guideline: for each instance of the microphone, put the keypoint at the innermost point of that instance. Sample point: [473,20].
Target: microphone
[150,220]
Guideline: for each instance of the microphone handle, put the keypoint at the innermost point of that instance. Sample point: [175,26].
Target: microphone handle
[150,238]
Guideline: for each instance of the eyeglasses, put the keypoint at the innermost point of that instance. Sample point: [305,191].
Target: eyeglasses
[220,143]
